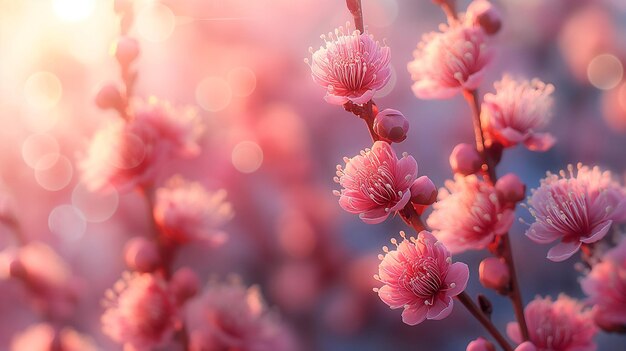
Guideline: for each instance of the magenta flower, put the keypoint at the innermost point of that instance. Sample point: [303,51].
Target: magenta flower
[141,313]
[185,211]
[561,325]
[352,66]
[468,215]
[606,287]
[229,316]
[577,209]
[376,183]
[420,277]
[516,111]
[129,154]
[449,61]
[43,337]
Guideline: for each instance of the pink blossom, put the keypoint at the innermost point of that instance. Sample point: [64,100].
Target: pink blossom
[185,211]
[606,287]
[351,66]
[468,215]
[141,313]
[44,337]
[229,316]
[129,154]
[376,183]
[561,325]
[420,277]
[516,111]
[578,208]
[449,61]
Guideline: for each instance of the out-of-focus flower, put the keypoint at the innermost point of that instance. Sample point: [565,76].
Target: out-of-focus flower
[142,255]
[468,215]
[605,285]
[494,274]
[351,66]
[420,277]
[184,284]
[577,208]
[449,61]
[483,14]
[391,125]
[140,312]
[561,325]
[46,275]
[517,109]
[614,107]
[465,159]
[43,337]
[228,316]
[376,183]
[510,189]
[185,211]
[130,154]
[526,346]
[480,344]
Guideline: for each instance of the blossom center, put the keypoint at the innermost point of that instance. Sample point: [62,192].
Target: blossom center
[423,278]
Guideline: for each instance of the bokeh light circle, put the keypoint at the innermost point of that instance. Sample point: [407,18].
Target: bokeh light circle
[213,94]
[42,90]
[36,146]
[605,71]
[53,175]
[381,13]
[242,81]
[68,222]
[391,84]
[247,157]
[96,206]
[156,22]
[73,10]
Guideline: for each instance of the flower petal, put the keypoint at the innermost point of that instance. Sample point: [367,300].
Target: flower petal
[598,232]
[414,314]
[440,309]
[563,251]
[458,273]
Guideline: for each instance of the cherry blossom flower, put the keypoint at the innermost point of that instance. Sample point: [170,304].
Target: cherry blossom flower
[420,277]
[449,61]
[376,183]
[516,111]
[129,154]
[141,313]
[185,211]
[577,208]
[561,325]
[229,316]
[468,215]
[606,287]
[44,337]
[351,66]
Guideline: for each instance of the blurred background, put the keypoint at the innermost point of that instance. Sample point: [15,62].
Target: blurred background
[273,143]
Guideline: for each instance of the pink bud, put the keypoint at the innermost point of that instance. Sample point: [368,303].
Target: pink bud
[423,191]
[126,50]
[185,284]
[494,274]
[142,255]
[109,96]
[526,346]
[465,159]
[391,125]
[480,344]
[485,15]
[510,189]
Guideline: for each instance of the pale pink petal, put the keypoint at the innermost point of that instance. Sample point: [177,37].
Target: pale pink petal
[335,99]
[458,273]
[540,142]
[563,251]
[366,97]
[391,297]
[374,216]
[514,332]
[414,315]
[598,232]
[440,309]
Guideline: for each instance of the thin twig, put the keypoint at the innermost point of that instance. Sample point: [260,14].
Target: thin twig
[467,301]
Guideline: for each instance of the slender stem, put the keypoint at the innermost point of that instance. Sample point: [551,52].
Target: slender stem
[490,171]
[412,218]
[466,300]
[357,12]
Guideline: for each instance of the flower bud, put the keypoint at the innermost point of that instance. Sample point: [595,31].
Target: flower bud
[391,125]
[184,285]
[126,50]
[485,15]
[480,344]
[423,191]
[142,255]
[526,346]
[109,96]
[510,189]
[494,274]
[465,159]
